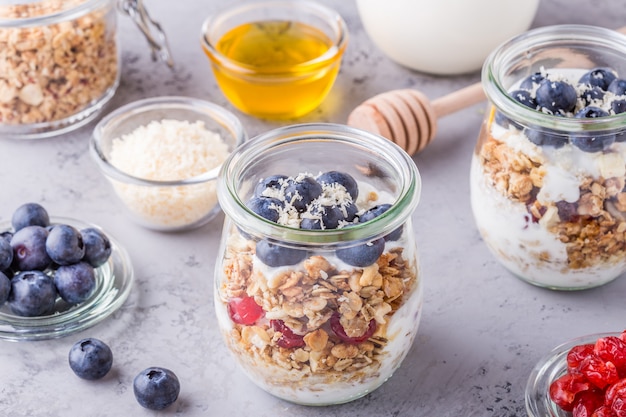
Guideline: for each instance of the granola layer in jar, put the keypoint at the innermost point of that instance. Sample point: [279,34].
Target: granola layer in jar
[548,173]
[318,293]
[59,64]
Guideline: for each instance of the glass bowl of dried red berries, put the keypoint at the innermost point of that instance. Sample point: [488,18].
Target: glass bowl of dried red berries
[583,377]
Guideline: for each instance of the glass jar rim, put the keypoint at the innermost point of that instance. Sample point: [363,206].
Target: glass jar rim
[330,16]
[548,36]
[69,13]
[404,205]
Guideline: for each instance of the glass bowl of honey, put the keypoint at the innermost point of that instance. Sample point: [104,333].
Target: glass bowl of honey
[275,59]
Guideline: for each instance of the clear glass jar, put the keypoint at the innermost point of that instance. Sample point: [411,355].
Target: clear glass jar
[307,325]
[60,62]
[547,187]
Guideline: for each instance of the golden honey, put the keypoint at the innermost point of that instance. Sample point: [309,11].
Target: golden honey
[275,69]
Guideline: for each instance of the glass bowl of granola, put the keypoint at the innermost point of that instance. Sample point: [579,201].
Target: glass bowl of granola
[162,156]
[74,47]
[318,288]
[549,168]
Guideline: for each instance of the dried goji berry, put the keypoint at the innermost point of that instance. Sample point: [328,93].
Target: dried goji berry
[577,354]
[615,390]
[619,406]
[612,348]
[603,411]
[599,372]
[564,389]
[586,402]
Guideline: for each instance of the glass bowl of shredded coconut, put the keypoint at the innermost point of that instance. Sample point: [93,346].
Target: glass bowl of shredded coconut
[162,157]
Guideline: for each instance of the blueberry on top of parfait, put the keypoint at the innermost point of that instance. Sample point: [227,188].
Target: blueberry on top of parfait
[556,96]
[598,77]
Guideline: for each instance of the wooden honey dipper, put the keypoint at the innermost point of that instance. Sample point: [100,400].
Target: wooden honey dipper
[408,118]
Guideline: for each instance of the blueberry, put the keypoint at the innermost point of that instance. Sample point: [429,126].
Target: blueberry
[32,294]
[273,182]
[362,255]
[593,143]
[6,254]
[556,96]
[90,358]
[341,178]
[301,192]
[618,106]
[598,77]
[29,249]
[30,214]
[276,255]
[546,137]
[617,87]
[64,244]
[156,388]
[75,283]
[590,112]
[589,142]
[5,288]
[266,207]
[589,95]
[524,97]
[97,246]
[329,217]
[529,82]
[377,211]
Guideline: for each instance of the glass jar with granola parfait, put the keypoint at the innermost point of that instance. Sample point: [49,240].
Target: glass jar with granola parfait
[318,292]
[549,170]
[59,62]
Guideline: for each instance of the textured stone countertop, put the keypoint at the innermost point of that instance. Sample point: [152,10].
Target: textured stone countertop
[482,329]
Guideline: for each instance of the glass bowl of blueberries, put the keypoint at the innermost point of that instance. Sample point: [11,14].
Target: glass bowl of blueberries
[318,265]
[58,275]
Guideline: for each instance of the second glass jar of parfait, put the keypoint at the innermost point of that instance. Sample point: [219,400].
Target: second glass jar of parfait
[549,169]
[318,292]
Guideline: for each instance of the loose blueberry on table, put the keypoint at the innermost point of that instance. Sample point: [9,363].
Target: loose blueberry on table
[90,358]
[156,388]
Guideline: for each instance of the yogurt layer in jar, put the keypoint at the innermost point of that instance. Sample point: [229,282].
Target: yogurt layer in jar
[318,292]
[549,170]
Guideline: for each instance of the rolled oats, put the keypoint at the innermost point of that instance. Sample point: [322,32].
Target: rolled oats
[306,300]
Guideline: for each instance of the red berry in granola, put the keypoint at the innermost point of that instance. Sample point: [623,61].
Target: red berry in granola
[338,329]
[288,339]
[244,310]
